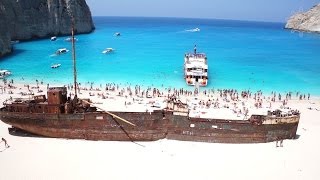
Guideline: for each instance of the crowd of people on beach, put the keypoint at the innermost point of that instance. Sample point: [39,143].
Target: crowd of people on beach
[220,98]
[240,102]
[227,95]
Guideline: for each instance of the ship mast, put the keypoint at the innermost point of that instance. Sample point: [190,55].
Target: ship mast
[74,59]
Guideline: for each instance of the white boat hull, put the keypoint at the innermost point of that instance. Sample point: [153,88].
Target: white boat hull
[192,82]
[196,69]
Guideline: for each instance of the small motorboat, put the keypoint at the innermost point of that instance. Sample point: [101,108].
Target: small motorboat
[117,34]
[4,73]
[14,42]
[55,66]
[196,30]
[69,39]
[108,50]
[53,38]
[62,51]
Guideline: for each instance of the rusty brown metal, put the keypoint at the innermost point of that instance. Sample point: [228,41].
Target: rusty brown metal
[58,118]
[57,95]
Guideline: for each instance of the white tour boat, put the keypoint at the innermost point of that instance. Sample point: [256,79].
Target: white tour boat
[196,69]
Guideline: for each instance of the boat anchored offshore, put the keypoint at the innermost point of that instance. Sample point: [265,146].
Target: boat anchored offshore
[53,38]
[62,51]
[108,50]
[55,66]
[196,69]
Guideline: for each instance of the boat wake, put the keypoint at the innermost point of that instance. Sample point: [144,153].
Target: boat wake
[193,30]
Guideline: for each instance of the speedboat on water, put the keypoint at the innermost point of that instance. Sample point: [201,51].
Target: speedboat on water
[62,51]
[108,50]
[55,66]
[193,30]
[117,34]
[4,73]
[53,38]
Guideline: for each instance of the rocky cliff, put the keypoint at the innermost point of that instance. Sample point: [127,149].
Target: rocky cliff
[32,19]
[5,46]
[308,21]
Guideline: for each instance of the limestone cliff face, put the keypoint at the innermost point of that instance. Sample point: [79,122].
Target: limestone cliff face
[31,19]
[5,46]
[308,21]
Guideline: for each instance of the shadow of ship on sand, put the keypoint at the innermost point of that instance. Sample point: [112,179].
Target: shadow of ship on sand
[19,132]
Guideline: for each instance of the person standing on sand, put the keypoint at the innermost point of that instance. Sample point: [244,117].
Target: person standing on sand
[281,142]
[5,142]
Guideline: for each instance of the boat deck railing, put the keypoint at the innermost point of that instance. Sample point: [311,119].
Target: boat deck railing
[199,57]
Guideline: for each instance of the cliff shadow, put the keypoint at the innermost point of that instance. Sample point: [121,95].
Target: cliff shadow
[17,51]
[12,54]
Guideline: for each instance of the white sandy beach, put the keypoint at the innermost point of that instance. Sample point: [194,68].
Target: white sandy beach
[50,158]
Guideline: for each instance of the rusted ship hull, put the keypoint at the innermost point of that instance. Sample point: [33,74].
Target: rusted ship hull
[93,126]
[232,131]
[152,126]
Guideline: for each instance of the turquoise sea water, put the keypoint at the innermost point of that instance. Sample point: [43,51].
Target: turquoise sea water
[150,51]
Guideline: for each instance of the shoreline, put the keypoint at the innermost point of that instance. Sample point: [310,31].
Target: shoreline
[102,84]
[116,97]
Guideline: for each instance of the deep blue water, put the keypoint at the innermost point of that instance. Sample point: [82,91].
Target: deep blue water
[150,51]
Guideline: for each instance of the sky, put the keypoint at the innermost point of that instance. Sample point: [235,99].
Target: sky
[251,10]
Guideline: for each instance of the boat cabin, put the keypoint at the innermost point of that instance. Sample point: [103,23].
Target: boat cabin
[196,69]
[62,51]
